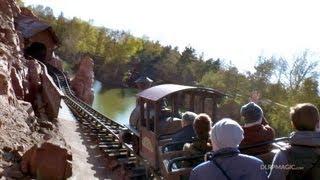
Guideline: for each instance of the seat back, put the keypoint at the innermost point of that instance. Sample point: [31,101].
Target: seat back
[170,125]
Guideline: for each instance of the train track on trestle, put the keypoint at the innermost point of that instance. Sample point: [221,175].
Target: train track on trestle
[121,158]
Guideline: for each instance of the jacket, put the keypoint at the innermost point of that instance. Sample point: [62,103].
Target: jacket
[305,146]
[237,167]
[257,134]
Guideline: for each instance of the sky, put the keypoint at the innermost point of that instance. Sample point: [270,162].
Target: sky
[233,30]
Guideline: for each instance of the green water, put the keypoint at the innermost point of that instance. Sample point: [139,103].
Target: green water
[115,103]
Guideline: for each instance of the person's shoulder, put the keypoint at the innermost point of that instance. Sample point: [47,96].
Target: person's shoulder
[281,156]
[201,166]
[202,171]
[267,127]
[250,159]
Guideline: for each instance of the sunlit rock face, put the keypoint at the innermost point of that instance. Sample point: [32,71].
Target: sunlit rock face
[10,53]
[21,80]
[82,83]
[14,131]
[48,161]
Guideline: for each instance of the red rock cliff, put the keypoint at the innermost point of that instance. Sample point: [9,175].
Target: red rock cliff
[21,80]
[82,83]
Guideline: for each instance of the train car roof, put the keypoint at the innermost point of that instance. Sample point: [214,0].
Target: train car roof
[157,92]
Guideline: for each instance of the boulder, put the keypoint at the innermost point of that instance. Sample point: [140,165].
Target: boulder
[48,161]
[82,83]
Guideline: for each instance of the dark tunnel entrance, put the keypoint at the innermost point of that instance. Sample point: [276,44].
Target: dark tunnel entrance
[37,51]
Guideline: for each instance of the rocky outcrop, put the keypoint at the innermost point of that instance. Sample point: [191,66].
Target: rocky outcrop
[56,62]
[82,83]
[20,80]
[34,80]
[47,161]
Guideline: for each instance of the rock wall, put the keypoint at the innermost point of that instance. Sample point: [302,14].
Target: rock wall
[10,51]
[82,83]
[12,87]
[20,80]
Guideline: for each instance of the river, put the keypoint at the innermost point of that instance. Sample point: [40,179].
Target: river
[115,103]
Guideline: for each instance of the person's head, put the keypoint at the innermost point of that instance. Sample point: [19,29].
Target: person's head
[304,117]
[226,133]
[188,118]
[202,125]
[251,112]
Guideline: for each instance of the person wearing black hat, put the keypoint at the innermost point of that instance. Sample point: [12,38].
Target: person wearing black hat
[256,129]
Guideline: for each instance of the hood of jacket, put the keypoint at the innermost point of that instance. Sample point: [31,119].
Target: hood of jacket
[306,138]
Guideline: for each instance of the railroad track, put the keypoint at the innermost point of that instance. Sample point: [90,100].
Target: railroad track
[121,158]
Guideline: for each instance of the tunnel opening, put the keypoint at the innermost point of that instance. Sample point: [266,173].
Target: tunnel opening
[36,50]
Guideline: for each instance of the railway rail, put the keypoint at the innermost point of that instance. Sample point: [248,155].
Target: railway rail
[121,158]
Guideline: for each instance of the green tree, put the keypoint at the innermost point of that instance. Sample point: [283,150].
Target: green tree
[301,69]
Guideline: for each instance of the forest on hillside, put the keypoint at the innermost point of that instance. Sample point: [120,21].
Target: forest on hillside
[119,55]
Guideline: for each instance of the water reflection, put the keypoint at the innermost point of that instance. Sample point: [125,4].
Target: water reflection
[115,103]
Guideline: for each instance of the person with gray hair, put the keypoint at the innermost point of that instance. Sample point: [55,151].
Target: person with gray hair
[225,161]
[186,132]
[188,118]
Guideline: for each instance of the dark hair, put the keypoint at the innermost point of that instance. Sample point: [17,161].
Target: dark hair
[202,125]
[304,116]
[251,112]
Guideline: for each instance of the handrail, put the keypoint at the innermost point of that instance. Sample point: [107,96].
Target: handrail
[264,143]
[163,148]
[85,104]
[79,100]
[45,71]
[184,158]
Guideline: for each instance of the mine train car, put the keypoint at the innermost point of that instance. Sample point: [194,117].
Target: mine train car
[158,117]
